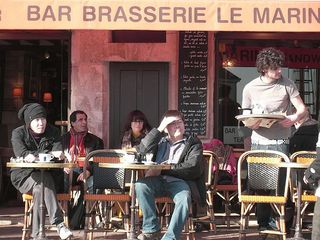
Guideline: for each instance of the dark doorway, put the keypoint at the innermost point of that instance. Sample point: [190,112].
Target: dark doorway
[142,86]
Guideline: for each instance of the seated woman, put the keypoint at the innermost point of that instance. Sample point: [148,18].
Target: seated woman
[35,137]
[136,128]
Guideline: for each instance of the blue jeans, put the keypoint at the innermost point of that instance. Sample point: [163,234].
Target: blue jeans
[149,188]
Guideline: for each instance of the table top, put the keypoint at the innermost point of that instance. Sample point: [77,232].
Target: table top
[268,116]
[291,165]
[136,166]
[40,165]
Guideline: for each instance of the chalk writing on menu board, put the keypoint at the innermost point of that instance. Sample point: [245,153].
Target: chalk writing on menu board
[193,63]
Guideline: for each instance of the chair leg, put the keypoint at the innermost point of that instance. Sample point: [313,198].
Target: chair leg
[227,207]
[211,212]
[63,205]
[242,234]
[26,219]
[126,215]
[87,220]
[282,222]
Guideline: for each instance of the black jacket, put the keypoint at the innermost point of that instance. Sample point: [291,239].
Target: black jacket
[190,166]
[312,174]
[91,142]
[23,144]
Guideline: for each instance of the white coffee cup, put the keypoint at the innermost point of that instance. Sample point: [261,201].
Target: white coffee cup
[45,157]
[149,157]
[130,158]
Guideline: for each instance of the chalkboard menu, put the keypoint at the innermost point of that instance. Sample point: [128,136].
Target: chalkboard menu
[193,68]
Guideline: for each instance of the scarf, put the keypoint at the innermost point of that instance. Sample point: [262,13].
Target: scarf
[76,147]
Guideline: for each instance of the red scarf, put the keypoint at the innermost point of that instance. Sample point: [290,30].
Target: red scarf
[76,147]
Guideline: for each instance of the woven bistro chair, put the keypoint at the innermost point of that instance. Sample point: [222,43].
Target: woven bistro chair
[228,192]
[263,186]
[63,200]
[108,190]
[211,177]
[307,194]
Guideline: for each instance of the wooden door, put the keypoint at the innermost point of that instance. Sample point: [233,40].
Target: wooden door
[138,85]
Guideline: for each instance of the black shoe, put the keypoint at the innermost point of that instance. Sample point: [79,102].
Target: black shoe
[263,227]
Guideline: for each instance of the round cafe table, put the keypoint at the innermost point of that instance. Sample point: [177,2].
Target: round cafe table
[134,167]
[298,167]
[42,166]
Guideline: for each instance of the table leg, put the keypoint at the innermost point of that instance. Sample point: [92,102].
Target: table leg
[42,235]
[297,233]
[132,232]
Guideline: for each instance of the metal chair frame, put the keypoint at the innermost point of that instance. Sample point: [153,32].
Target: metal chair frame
[63,200]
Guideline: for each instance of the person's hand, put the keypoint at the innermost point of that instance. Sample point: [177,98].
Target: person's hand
[289,120]
[305,180]
[58,154]
[66,170]
[67,156]
[152,172]
[81,177]
[165,122]
[30,158]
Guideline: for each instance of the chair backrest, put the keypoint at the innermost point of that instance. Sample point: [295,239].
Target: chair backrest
[106,178]
[306,157]
[262,172]
[211,162]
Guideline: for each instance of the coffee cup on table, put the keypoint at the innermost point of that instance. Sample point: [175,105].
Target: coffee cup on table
[130,158]
[45,157]
[149,157]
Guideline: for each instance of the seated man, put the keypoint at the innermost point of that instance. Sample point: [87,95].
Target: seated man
[183,182]
[78,142]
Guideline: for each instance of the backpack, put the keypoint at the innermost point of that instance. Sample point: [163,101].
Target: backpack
[226,159]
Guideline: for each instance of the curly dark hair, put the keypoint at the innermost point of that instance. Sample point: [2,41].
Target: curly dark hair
[269,58]
[73,115]
[137,115]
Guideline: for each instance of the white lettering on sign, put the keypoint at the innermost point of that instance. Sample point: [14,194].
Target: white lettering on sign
[231,135]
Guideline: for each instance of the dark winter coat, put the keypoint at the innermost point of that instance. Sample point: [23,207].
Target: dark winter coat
[23,144]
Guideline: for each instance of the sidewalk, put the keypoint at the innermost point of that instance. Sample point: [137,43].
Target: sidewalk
[11,221]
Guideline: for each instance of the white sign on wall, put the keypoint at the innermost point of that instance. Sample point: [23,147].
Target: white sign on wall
[231,135]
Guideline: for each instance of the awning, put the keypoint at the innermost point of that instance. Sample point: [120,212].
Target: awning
[184,15]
